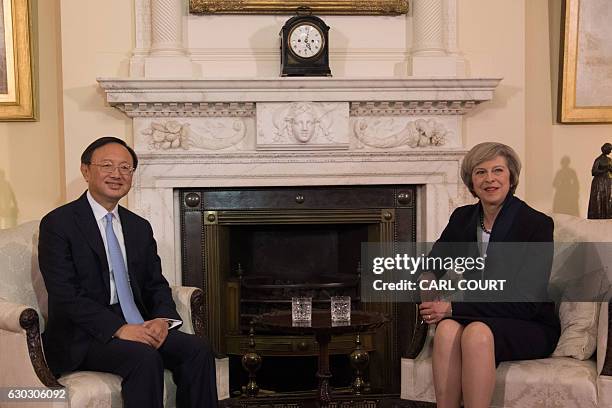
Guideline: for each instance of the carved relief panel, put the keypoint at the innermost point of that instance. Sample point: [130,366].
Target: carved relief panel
[303,125]
[176,135]
[405,133]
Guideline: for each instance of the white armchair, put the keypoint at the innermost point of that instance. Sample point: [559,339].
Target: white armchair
[573,377]
[23,304]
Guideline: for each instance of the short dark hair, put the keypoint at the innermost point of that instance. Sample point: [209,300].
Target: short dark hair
[488,151]
[96,144]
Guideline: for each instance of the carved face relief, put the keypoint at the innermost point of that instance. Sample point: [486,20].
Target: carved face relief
[302,122]
[303,126]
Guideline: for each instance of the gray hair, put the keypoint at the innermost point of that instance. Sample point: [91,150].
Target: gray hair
[487,151]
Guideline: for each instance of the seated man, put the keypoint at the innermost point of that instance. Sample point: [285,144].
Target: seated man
[110,308]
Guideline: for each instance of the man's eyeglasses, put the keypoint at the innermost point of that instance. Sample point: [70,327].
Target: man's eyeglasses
[124,169]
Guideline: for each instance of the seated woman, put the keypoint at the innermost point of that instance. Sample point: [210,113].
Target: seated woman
[472,338]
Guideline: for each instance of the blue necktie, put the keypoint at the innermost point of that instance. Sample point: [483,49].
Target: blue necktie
[124,292]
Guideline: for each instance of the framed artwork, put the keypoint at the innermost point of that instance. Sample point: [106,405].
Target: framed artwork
[320,7]
[16,79]
[586,80]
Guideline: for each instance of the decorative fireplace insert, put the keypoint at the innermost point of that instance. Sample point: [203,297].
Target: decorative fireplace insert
[252,249]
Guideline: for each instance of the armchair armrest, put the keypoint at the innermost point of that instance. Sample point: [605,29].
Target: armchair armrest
[21,355]
[190,306]
[415,334]
[10,314]
[604,354]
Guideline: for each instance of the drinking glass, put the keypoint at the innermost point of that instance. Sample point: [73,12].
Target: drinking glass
[301,309]
[341,308]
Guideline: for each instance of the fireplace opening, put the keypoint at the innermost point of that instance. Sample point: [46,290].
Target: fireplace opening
[273,263]
[252,249]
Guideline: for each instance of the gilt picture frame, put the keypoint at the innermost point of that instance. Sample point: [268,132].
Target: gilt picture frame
[17,98]
[586,90]
[317,7]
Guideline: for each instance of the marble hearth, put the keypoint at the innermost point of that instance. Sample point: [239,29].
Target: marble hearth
[295,132]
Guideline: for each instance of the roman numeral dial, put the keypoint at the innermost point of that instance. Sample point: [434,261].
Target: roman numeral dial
[306,41]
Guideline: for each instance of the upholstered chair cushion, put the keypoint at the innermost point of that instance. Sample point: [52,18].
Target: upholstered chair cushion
[96,389]
[20,279]
[574,229]
[549,382]
[580,265]
[93,389]
[545,383]
[602,336]
[579,322]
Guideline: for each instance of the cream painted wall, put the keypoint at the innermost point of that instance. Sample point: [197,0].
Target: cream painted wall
[519,41]
[4,152]
[539,157]
[97,39]
[492,38]
[30,152]
[550,142]
[248,46]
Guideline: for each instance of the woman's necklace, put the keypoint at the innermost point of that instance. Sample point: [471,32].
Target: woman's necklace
[482,225]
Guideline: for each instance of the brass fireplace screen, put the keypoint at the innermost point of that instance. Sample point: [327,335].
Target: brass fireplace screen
[321,7]
[252,249]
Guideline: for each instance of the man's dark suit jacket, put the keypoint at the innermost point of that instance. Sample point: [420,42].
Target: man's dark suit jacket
[75,269]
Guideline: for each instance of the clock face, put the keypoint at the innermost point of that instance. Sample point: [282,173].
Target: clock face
[306,41]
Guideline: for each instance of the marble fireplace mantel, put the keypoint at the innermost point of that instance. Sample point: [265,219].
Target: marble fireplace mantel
[188,97]
[295,132]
